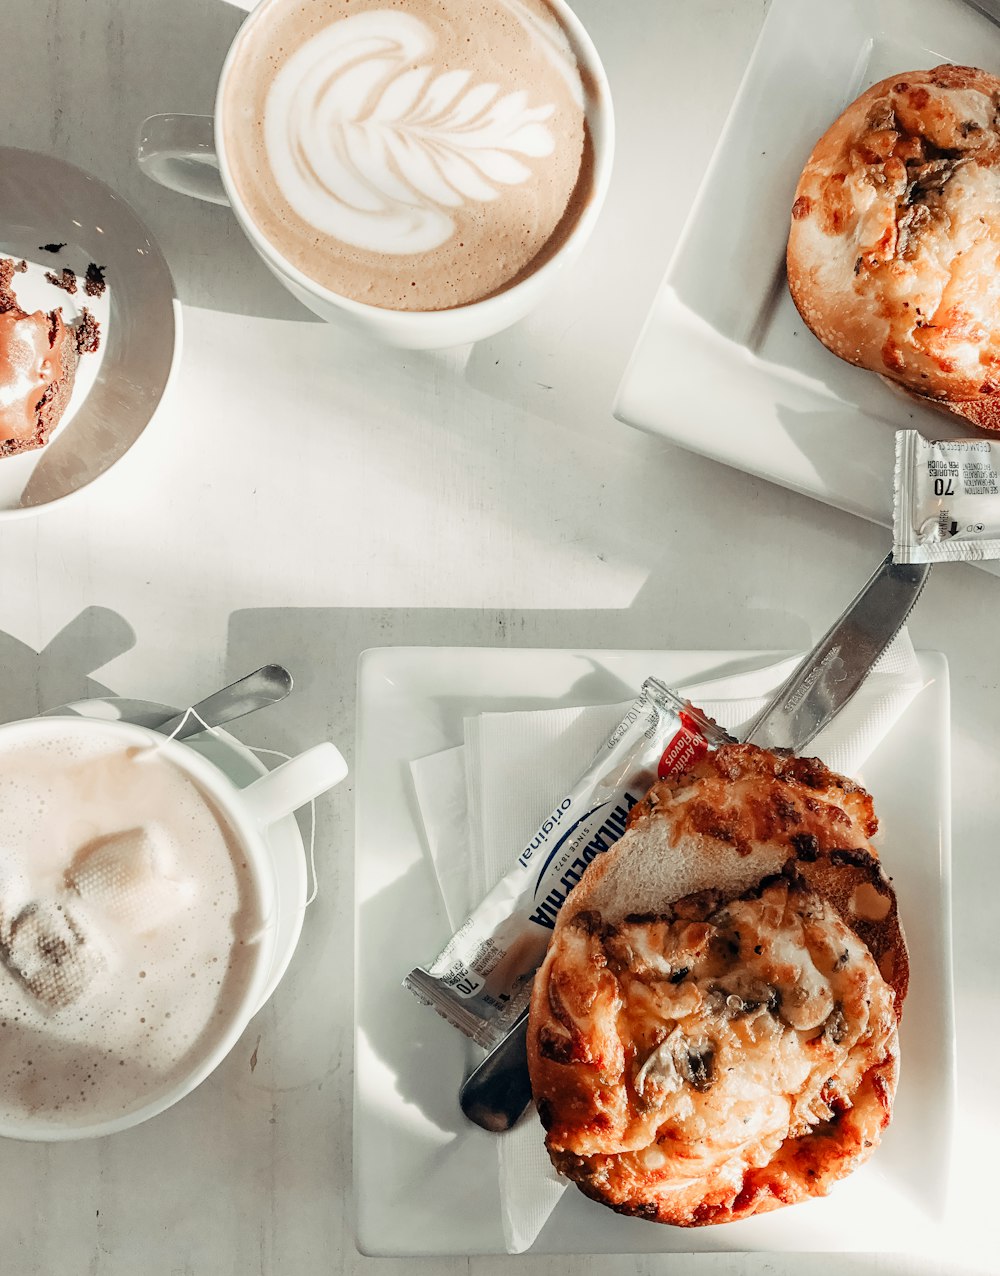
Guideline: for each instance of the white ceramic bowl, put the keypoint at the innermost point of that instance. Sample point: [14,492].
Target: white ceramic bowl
[44,200]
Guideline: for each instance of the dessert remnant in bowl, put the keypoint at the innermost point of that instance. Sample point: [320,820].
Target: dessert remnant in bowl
[39,353]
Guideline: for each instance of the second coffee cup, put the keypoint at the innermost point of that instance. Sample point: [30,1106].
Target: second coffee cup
[139,910]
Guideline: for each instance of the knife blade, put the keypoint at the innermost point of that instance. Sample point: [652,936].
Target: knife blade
[833,672]
[498,1090]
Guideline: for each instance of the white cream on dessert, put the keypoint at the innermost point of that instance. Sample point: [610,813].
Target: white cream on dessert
[29,363]
[129,923]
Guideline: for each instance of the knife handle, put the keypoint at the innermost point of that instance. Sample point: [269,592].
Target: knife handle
[497,1092]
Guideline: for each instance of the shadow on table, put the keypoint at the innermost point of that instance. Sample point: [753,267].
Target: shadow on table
[34,681]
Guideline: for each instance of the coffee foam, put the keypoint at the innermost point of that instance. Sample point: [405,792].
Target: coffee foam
[126,847]
[413,155]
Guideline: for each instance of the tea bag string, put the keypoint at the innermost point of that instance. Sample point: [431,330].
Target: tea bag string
[190,713]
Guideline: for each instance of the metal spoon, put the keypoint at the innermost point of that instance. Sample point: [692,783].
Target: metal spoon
[264,686]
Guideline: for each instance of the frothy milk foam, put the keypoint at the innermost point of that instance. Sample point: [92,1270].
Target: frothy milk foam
[411,154]
[129,926]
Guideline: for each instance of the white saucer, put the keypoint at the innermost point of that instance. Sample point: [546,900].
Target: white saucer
[43,201]
[242,767]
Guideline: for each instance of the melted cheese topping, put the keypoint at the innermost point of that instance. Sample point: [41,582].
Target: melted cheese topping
[895,233]
[709,1038]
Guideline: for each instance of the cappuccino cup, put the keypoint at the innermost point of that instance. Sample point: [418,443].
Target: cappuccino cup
[138,918]
[421,171]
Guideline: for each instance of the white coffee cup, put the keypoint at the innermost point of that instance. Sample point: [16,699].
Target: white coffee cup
[186,153]
[247,814]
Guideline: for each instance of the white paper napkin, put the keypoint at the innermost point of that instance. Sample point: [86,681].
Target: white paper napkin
[481,801]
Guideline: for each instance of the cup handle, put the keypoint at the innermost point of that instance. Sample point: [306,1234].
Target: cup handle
[293,784]
[178,151]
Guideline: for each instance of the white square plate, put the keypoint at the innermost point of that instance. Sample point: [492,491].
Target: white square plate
[725,366]
[425,1179]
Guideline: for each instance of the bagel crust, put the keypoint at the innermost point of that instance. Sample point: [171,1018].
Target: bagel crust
[894,244]
[733,1049]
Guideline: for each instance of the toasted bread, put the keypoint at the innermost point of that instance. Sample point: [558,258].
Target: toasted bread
[894,237]
[713,1032]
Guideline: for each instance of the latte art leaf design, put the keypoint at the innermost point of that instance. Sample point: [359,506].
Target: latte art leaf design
[371,144]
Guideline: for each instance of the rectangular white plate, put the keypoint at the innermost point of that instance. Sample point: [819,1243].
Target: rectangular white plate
[725,366]
[425,1179]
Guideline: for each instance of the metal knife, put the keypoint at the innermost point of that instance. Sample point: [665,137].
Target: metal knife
[988,8]
[828,678]
[496,1093]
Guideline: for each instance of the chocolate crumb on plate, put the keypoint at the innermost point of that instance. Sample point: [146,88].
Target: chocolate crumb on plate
[7,299]
[21,266]
[51,248]
[95,284]
[88,333]
[66,280]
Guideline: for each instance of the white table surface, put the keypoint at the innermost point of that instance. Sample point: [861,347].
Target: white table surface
[303,496]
